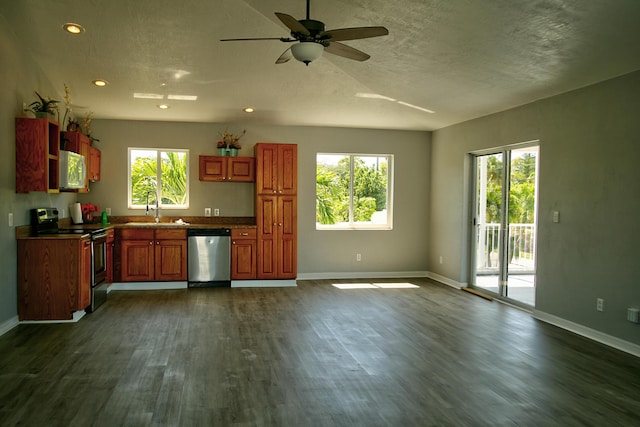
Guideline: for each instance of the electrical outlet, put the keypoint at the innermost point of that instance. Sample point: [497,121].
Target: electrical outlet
[358,257]
[207,211]
[441,259]
[599,304]
[556,216]
[10,219]
[108,211]
[216,212]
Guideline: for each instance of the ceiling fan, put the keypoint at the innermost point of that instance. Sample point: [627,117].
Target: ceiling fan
[312,39]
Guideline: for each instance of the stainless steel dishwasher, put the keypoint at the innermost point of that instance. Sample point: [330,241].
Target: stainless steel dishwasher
[209,256]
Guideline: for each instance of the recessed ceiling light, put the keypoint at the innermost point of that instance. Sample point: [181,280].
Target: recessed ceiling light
[147,95]
[163,106]
[183,97]
[73,28]
[248,110]
[100,82]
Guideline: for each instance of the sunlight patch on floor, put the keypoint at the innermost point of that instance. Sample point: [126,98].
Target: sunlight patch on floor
[374,285]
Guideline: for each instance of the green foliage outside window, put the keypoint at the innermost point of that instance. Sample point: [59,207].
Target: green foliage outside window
[172,177]
[338,189]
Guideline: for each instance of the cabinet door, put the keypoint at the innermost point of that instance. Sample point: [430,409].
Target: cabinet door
[287,176]
[84,285]
[287,253]
[266,168]
[212,168]
[243,254]
[241,169]
[171,260]
[37,150]
[94,164]
[137,260]
[266,218]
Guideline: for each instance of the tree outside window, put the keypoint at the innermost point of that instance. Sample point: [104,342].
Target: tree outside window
[353,191]
[158,175]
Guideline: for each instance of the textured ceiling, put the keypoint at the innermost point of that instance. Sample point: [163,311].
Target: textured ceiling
[459,58]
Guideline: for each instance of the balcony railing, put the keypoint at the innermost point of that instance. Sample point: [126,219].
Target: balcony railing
[522,250]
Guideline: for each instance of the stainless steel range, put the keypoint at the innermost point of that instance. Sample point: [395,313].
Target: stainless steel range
[44,221]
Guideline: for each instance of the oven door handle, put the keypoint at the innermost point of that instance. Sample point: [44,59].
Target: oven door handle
[98,236]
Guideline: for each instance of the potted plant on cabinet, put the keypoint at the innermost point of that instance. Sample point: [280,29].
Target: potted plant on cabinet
[43,106]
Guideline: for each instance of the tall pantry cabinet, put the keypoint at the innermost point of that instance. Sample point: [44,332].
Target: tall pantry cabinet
[277,210]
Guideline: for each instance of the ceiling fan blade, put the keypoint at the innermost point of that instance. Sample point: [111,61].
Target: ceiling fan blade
[346,51]
[354,33]
[285,57]
[293,24]
[282,39]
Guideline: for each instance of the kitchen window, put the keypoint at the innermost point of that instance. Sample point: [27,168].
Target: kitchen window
[160,175]
[354,191]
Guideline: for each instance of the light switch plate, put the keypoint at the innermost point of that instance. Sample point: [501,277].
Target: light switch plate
[10,219]
[556,216]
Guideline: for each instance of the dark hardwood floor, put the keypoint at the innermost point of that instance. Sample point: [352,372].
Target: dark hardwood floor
[312,356]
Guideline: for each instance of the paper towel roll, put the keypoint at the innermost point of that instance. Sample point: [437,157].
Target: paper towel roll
[76,213]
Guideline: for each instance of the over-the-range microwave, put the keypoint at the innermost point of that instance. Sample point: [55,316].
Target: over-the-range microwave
[73,170]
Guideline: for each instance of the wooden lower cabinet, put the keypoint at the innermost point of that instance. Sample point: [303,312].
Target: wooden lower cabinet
[243,253]
[54,278]
[110,250]
[276,217]
[148,255]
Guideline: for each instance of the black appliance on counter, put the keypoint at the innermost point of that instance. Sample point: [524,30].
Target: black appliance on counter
[44,221]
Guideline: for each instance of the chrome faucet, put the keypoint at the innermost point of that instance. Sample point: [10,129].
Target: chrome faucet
[157,208]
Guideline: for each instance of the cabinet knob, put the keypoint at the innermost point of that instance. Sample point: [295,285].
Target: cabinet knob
[233,242]
[157,243]
[280,225]
[151,243]
[244,234]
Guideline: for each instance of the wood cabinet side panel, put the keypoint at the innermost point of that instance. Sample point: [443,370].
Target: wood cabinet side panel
[48,279]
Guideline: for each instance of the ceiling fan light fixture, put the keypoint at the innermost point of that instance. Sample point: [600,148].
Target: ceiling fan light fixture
[248,109]
[307,51]
[100,82]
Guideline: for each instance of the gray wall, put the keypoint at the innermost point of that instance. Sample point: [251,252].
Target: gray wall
[590,148]
[332,253]
[19,77]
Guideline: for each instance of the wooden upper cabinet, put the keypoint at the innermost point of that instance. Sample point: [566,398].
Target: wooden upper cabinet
[278,169]
[37,155]
[221,168]
[93,169]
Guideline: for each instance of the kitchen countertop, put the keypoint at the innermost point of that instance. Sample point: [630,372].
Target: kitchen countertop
[24,232]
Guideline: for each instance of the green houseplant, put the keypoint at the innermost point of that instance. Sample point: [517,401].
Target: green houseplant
[42,107]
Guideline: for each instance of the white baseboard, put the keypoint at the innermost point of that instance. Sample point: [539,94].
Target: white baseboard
[77,315]
[263,283]
[146,286]
[586,332]
[361,275]
[8,325]
[446,281]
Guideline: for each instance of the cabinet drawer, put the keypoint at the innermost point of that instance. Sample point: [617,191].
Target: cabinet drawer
[243,233]
[171,233]
[136,234]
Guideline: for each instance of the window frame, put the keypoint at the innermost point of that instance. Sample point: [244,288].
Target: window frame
[352,225]
[159,152]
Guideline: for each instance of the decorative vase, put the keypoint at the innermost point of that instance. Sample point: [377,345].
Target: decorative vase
[41,114]
[233,152]
[222,151]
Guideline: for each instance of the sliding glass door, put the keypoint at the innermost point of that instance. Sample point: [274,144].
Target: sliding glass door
[504,223]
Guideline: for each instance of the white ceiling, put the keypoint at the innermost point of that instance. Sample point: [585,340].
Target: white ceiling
[460,58]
